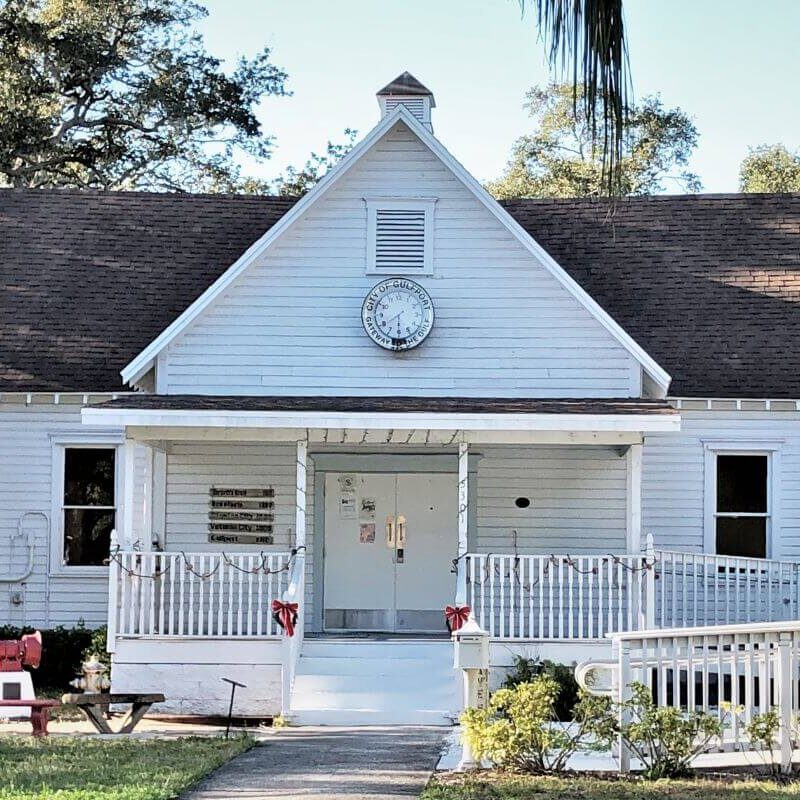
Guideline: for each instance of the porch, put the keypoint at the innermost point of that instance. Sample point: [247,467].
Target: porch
[372,520]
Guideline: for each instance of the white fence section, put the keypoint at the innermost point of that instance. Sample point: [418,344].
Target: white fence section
[557,596]
[696,589]
[195,594]
[732,671]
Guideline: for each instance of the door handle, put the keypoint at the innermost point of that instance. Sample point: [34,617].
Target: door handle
[401,531]
[391,540]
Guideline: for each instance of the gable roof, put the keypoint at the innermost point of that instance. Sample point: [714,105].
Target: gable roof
[146,358]
[710,285]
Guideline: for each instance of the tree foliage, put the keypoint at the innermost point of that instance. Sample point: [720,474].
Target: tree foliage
[123,94]
[296,181]
[586,40]
[561,159]
[770,168]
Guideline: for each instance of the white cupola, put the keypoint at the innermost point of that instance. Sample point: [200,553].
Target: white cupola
[405,89]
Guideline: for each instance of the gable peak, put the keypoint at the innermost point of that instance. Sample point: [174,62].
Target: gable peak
[407,91]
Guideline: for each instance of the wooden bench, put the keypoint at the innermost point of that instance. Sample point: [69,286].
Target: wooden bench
[95,705]
[40,711]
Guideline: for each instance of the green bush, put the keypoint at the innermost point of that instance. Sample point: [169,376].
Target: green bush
[526,670]
[63,652]
[762,731]
[664,739]
[519,729]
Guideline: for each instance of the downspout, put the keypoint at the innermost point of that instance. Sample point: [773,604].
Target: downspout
[29,543]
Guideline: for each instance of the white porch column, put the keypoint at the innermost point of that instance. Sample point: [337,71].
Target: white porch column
[634,494]
[126,528]
[300,494]
[463,497]
[463,523]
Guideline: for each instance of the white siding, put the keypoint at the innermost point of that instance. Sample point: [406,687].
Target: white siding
[192,469]
[673,475]
[577,494]
[26,449]
[504,325]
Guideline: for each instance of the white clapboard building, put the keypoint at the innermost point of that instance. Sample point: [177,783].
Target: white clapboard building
[389,397]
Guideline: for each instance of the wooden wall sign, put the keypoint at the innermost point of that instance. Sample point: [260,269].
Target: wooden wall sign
[241,515]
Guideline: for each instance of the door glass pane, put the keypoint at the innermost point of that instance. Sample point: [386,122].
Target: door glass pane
[742,483]
[742,536]
[87,536]
[89,476]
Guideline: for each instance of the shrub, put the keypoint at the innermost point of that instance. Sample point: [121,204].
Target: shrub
[664,739]
[526,670]
[62,653]
[762,731]
[519,729]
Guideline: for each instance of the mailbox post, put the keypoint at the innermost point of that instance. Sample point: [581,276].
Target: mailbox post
[472,658]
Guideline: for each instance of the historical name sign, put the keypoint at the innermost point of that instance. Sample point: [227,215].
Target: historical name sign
[241,515]
[238,538]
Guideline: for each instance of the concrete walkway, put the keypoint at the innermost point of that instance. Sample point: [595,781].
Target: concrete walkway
[329,763]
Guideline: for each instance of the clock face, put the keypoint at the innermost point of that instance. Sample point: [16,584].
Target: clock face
[397,314]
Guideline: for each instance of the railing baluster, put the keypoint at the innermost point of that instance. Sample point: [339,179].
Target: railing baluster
[240,604]
[210,615]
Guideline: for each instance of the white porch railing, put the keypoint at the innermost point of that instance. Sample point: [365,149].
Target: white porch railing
[751,667]
[557,597]
[195,594]
[554,597]
[292,645]
[697,589]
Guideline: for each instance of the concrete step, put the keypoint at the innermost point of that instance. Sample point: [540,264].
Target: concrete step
[374,649]
[357,682]
[387,667]
[361,716]
[369,697]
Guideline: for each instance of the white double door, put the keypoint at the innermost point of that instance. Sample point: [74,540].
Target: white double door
[390,540]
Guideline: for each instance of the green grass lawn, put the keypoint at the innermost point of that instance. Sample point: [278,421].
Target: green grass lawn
[126,769]
[504,787]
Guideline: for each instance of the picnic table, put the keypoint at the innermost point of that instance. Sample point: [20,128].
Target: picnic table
[95,706]
[40,710]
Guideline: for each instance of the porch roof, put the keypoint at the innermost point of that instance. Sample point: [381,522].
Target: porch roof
[392,404]
[452,418]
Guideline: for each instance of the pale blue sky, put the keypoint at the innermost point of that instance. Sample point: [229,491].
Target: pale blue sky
[732,64]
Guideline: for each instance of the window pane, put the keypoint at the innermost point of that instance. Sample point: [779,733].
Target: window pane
[742,483]
[742,536]
[87,536]
[88,476]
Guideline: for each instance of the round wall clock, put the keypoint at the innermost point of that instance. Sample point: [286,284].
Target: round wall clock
[397,314]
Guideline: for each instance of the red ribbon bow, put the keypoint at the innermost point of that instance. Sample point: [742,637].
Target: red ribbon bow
[455,616]
[285,614]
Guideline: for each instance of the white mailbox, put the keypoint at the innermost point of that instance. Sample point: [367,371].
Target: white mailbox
[471,646]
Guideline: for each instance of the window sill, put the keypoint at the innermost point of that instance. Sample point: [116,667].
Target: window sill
[79,572]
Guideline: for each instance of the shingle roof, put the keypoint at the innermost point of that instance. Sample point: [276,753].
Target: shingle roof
[395,405]
[708,285]
[404,83]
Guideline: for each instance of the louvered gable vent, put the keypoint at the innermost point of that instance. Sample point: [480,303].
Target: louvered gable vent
[400,235]
[416,105]
[400,240]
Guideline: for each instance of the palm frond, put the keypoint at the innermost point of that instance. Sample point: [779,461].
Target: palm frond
[586,39]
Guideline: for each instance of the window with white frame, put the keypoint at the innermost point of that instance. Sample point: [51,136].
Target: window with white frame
[400,236]
[742,504]
[88,500]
